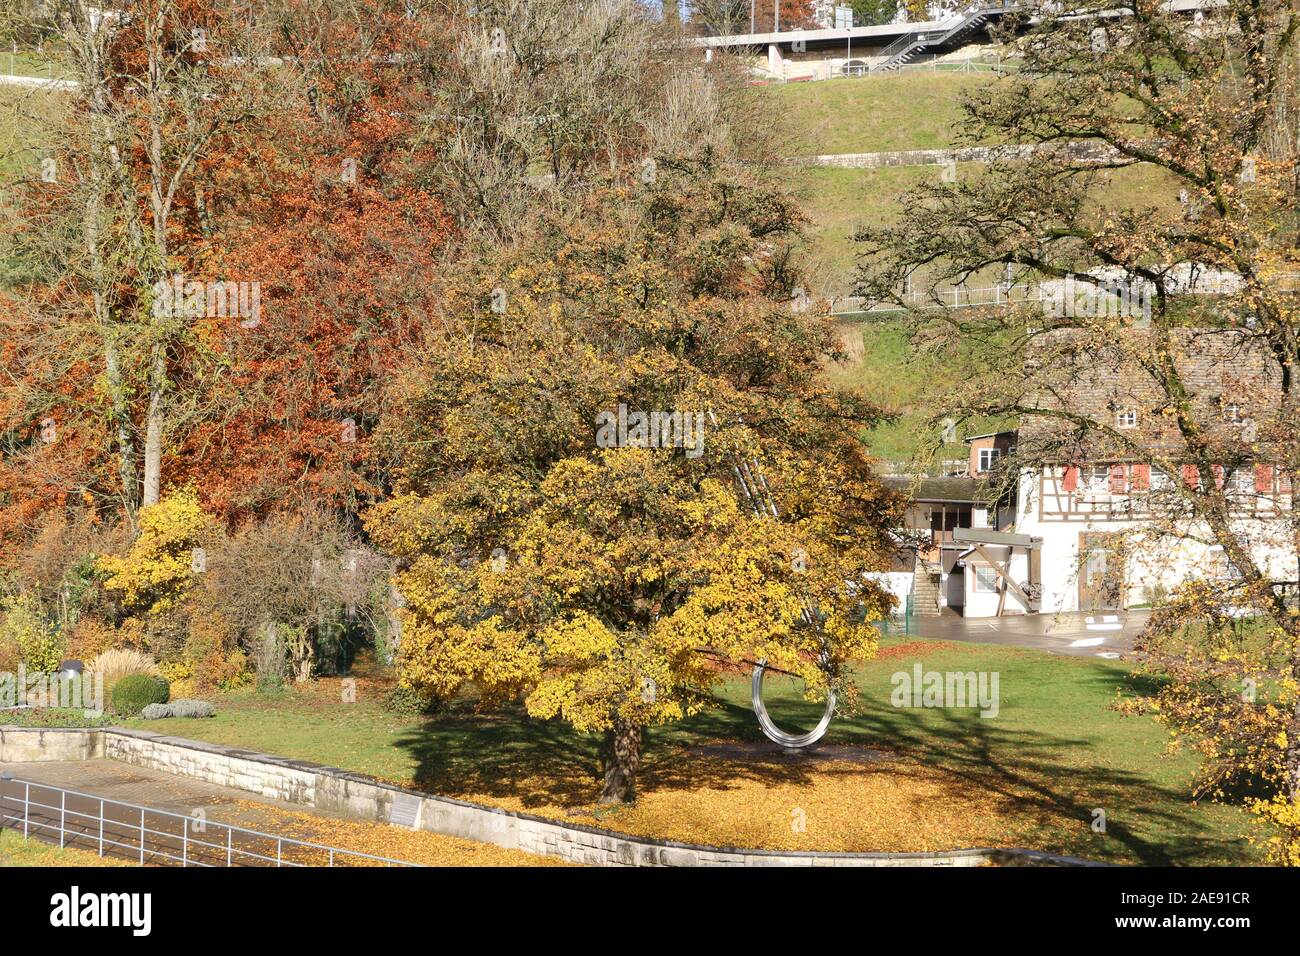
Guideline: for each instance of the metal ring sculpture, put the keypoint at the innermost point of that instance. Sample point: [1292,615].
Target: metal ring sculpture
[775,733]
[759,496]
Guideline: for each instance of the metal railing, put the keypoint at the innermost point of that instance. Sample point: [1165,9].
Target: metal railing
[961,297]
[932,63]
[896,53]
[897,47]
[114,828]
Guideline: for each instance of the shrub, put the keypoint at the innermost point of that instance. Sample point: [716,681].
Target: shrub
[135,692]
[39,646]
[179,675]
[303,571]
[90,637]
[409,702]
[212,647]
[57,564]
[119,662]
[179,708]
[157,569]
[230,672]
[191,708]
[272,659]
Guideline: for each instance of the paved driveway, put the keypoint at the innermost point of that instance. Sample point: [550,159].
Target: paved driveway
[185,821]
[1059,633]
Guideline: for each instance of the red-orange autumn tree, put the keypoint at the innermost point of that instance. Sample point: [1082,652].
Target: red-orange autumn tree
[333,216]
[286,163]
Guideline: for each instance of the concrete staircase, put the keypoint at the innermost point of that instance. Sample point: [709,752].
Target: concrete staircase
[925,590]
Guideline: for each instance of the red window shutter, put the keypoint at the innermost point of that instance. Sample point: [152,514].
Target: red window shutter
[1218,475]
[1071,480]
[1191,477]
[1264,479]
[1118,479]
[1141,477]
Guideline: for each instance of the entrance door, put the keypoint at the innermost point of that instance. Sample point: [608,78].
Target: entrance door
[1101,572]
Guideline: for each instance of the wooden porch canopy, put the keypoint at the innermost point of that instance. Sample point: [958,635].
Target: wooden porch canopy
[1030,594]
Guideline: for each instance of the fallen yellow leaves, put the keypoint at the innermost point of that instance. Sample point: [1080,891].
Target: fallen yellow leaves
[381,839]
[894,805]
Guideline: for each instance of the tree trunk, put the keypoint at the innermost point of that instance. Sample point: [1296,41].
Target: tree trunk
[622,755]
[121,420]
[159,199]
[105,172]
[153,434]
[1293,755]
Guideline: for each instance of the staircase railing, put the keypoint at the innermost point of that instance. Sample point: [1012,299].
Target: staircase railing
[907,39]
[922,38]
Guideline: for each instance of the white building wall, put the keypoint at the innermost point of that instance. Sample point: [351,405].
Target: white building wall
[1153,562]
[984,603]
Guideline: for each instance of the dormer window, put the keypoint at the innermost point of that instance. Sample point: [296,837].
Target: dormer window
[988,458]
[1126,418]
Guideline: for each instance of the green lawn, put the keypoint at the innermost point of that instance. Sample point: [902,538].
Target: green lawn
[1032,776]
[871,114]
[30,63]
[15,851]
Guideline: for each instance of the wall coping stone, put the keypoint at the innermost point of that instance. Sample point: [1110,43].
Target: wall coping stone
[1006,856]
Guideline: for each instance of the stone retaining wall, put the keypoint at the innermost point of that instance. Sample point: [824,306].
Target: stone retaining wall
[361,797]
[26,745]
[1082,151]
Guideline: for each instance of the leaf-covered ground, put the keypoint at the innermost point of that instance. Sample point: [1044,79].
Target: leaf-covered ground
[897,778]
[15,851]
[377,839]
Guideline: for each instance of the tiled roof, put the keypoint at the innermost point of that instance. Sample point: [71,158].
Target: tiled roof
[1077,374]
[955,490]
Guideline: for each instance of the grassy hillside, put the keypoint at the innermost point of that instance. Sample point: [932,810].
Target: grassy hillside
[30,63]
[871,114]
[900,378]
[876,114]
[21,111]
[24,111]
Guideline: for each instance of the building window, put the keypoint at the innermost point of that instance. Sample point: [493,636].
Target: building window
[988,458]
[1096,479]
[1126,418]
[1221,567]
[986,580]
[1234,414]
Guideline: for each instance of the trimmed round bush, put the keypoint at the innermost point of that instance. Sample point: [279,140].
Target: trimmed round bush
[185,707]
[189,707]
[135,692]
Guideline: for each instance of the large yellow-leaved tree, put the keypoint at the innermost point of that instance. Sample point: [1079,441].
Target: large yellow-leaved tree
[555,553]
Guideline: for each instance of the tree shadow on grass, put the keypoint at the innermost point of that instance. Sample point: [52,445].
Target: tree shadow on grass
[509,754]
[1046,784]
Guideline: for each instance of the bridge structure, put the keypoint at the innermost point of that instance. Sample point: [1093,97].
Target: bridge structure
[822,53]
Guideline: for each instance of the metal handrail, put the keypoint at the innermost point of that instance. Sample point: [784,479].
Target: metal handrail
[186,836]
[1002,294]
[922,38]
[905,40]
